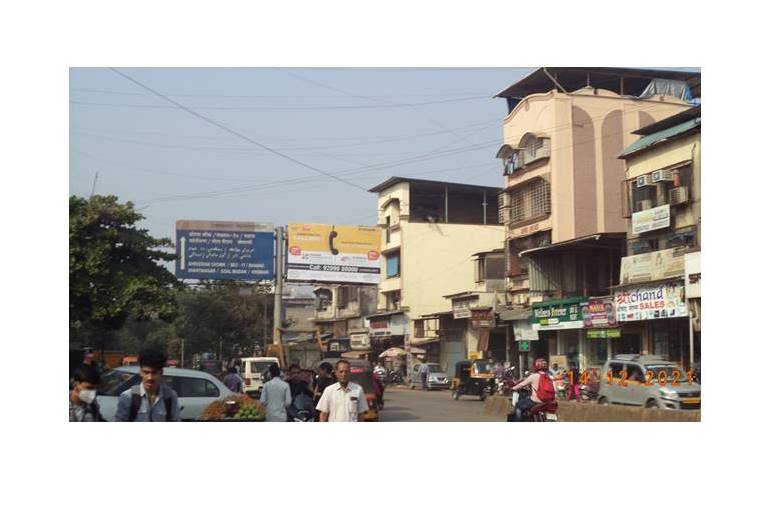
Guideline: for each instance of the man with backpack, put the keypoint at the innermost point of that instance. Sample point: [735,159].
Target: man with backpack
[152,400]
[542,389]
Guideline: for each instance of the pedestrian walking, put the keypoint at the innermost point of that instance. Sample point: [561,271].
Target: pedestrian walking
[344,400]
[424,373]
[232,380]
[83,406]
[276,396]
[152,400]
[324,380]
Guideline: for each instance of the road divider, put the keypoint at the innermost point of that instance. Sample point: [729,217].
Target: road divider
[590,412]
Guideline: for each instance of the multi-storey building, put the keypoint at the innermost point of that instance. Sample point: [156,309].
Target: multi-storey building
[430,231]
[562,202]
[658,299]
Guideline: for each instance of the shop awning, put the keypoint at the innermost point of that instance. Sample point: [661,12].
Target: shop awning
[417,350]
[425,340]
[589,242]
[384,314]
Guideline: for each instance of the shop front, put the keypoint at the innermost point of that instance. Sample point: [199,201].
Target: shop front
[559,324]
[660,315]
[600,329]
[387,330]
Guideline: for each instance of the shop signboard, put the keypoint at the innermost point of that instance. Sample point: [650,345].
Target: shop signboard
[462,308]
[651,219]
[332,253]
[598,312]
[604,333]
[386,326]
[660,301]
[652,266]
[483,319]
[224,250]
[558,315]
[359,341]
[523,331]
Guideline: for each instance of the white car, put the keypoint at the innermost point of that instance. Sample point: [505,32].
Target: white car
[195,389]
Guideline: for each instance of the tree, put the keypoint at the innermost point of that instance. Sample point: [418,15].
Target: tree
[114,266]
[223,312]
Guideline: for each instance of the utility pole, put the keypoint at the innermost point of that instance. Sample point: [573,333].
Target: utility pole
[220,343]
[278,311]
[93,188]
[182,353]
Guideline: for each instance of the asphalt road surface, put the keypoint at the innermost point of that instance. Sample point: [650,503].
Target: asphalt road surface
[401,404]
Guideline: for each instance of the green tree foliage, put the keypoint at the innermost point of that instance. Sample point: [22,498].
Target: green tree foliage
[115,270]
[226,313]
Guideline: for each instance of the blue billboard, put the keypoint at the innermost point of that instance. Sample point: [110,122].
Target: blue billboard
[222,250]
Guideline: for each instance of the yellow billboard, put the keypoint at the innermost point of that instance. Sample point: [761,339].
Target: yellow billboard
[334,253]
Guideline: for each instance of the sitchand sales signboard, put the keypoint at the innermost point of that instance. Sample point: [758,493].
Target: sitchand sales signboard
[332,253]
[658,301]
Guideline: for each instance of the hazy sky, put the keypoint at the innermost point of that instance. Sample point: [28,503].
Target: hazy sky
[363,125]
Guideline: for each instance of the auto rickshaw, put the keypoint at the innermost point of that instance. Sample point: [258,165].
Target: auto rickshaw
[474,378]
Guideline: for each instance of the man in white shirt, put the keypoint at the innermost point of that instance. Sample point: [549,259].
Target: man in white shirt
[276,396]
[343,401]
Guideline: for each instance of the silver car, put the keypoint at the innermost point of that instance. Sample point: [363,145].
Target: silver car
[648,381]
[436,379]
[195,389]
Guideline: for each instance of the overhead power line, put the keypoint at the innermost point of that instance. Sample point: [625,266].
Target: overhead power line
[276,108]
[236,133]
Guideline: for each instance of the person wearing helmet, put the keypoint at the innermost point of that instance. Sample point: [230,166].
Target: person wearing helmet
[540,368]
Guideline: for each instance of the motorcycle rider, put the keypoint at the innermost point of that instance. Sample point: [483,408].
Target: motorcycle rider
[526,403]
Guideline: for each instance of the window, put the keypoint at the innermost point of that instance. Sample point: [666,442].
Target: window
[684,237]
[393,264]
[530,201]
[644,246]
[643,197]
[324,300]
[393,300]
[480,270]
[387,232]
[418,328]
[196,387]
[635,373]
[616,369]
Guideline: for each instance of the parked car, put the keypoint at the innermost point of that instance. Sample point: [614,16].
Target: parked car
[196,390]
[648,381]
[252,371]
[436,378]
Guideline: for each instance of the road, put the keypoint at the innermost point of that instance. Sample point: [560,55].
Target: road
[401,404]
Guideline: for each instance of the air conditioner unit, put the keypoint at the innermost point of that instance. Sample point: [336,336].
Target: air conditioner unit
[641,181]
[662,175]
[678,195]
[645,205]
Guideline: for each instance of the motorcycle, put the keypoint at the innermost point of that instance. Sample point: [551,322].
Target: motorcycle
[539,413]
[505,383]
[393,376]
[302,410]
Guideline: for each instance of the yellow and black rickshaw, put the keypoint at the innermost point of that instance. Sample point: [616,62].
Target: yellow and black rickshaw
[473,378]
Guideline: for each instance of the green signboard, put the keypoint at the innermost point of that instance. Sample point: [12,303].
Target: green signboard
[525,346]
[559,314]
[604,333]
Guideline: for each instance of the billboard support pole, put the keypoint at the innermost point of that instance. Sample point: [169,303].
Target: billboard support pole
[278,311]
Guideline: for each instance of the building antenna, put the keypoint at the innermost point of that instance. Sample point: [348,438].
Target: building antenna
[95,178]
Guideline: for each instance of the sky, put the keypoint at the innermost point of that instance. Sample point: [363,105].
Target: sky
[362,125]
